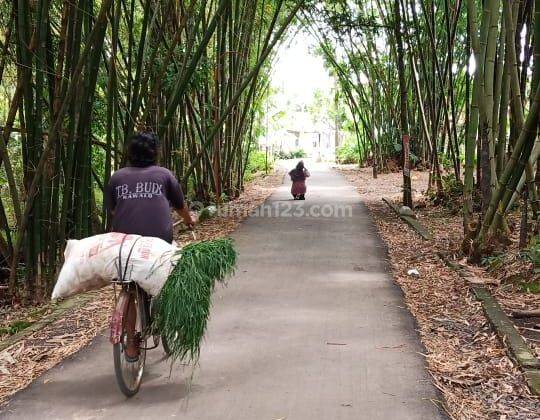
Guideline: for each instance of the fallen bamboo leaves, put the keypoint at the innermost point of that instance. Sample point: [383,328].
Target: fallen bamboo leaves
[467,362]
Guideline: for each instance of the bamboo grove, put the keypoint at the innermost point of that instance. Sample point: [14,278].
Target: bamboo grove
[78,77]
[460,77]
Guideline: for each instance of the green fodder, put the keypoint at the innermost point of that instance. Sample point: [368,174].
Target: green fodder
[183,305]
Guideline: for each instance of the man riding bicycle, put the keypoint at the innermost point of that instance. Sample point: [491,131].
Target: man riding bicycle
[139,199]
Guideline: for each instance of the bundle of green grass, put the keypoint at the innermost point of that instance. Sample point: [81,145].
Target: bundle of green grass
[183,305]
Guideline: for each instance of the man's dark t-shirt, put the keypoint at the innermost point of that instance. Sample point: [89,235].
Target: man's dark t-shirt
[141,200]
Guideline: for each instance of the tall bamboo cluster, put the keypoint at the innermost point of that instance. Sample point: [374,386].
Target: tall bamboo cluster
[77,78]
[461,79]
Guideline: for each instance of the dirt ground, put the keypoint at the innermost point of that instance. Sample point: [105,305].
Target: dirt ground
[466,360]
[26,360]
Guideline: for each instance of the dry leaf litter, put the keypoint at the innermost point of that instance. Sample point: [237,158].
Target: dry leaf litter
[466,360]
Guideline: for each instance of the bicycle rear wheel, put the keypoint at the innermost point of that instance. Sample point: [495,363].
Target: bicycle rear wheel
[129,370]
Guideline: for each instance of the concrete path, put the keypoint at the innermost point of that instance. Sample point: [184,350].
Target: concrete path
[310,328]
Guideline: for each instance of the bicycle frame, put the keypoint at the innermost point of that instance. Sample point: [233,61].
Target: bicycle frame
[130,327]
[117,317]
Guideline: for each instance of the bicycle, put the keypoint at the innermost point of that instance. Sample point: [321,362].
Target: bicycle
[130,329]
[131,324]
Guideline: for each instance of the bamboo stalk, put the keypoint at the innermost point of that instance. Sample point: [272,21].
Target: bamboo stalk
[95,39]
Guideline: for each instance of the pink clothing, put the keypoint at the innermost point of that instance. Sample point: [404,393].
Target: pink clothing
[299,187]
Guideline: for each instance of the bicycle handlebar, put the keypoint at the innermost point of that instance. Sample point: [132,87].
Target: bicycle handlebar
[189,228]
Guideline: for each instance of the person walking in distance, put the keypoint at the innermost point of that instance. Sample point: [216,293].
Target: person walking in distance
[298,177]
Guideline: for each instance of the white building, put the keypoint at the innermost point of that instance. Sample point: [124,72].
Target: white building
[298,131]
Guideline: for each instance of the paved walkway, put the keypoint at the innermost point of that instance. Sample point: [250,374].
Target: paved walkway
[310,328]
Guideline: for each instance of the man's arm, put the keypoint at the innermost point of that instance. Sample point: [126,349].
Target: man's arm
[186,216]
[176,198]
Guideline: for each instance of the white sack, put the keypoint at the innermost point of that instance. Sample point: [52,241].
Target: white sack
[93,262]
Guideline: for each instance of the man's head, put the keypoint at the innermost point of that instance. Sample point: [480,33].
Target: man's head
[143,149]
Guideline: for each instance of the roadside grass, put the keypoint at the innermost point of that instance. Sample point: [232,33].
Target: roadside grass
[530,286]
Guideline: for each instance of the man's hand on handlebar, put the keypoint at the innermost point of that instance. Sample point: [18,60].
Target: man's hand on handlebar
[188,220]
